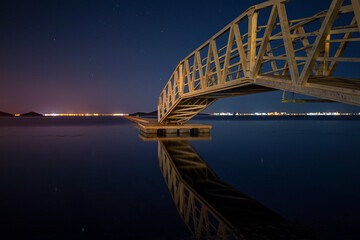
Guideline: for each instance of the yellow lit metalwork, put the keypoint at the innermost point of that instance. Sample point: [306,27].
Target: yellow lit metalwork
[247,58]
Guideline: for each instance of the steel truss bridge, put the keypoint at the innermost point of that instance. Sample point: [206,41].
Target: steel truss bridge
[210,208]
[248,57]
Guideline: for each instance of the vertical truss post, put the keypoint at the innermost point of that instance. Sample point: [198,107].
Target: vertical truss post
[199,65]
[326,55]
[252,17]
[194,67]
[216,59]
[356,7]
[207,68]
[165,102]
[289,48]
[181,79]
[159,108]
[240,48]
[227,54]
[187,70]
[265,41]
[170,93]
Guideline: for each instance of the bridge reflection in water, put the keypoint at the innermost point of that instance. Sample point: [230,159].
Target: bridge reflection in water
[209,207]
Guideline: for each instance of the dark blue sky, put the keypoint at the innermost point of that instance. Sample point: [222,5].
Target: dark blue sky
[116,56]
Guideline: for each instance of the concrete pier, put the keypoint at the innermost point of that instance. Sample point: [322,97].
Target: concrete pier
[150,128]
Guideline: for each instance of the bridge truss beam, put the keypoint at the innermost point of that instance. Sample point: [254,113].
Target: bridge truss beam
[298,55]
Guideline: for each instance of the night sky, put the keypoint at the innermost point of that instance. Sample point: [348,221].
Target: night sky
[116,56]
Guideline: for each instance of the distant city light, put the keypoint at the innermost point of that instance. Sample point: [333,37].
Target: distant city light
[285,114]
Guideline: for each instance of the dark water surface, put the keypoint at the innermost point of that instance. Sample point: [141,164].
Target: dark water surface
[80,178]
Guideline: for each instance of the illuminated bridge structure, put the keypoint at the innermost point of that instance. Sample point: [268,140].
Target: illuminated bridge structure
[210,208]
[260,51]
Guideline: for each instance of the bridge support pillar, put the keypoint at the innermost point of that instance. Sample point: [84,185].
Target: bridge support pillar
[171,132]
[184,132]
[149,131]
[202,130]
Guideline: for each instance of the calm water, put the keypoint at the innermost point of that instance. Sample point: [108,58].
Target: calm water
[95,178]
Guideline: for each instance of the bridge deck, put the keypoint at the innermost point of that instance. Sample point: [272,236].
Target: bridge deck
[339,82]
[191,104]
[329,81]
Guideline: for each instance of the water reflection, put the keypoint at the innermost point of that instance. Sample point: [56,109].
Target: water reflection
[210,208]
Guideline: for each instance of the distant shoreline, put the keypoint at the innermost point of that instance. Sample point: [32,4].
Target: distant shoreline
[28,114]
[203,117]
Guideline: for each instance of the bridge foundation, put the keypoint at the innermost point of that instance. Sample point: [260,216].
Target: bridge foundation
[185,132]
[171,132]
[150,128]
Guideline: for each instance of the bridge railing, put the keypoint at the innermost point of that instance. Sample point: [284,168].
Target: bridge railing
[278,49]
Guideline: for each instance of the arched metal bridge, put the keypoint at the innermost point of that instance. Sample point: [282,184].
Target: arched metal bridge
[247,57]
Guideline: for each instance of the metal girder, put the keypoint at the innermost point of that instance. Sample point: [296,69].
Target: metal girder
[284,54]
